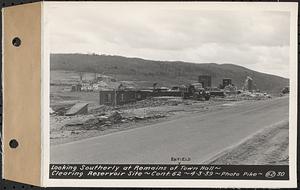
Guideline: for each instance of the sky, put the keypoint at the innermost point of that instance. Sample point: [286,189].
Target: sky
[255,39]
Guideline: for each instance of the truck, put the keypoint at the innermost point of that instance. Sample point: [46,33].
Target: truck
[285,90]
[197,92]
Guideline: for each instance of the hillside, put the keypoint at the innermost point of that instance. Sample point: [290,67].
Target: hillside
[165,73]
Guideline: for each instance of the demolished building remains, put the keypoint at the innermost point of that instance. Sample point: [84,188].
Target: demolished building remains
[205,80]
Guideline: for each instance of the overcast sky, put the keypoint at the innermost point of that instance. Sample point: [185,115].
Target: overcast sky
[258,40]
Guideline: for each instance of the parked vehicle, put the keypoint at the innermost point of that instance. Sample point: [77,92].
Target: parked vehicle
[197,92]
[285,90]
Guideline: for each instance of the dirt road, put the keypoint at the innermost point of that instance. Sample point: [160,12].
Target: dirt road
[196,137]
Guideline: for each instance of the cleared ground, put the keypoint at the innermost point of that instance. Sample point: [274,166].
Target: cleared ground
[197,136]
[140,114]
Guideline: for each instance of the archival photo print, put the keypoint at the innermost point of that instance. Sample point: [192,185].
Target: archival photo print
[168,84]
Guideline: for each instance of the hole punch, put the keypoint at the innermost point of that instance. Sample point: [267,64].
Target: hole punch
[13,143]
[16,42]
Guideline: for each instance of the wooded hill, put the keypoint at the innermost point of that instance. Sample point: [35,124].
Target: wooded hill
[165,73]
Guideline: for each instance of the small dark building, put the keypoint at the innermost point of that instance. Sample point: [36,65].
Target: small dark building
[226,82]
[205,80]
[116,97]
[107,97]
[76,87]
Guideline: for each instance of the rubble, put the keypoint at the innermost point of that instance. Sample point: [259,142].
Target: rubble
[96,122]
[255,95]
[155,116]
[100,109]
[106,117]
[103,121]
[70,118]
[153,102]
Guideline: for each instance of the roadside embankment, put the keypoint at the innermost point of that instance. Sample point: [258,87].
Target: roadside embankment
[268,146]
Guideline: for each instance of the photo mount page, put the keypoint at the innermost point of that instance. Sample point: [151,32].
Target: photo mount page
[169,94]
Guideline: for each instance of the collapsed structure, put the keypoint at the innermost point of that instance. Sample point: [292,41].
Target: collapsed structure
[119,93]
[249,84]
[227,82]
[205,80]
[120,97]
[202,90]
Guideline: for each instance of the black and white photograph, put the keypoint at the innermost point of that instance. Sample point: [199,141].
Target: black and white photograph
[169,83]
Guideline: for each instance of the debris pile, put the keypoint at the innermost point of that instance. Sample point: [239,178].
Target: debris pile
[103,122]
[153,102]
[100,122]
[256,95]
[100,109]
[249,84]
[246,95]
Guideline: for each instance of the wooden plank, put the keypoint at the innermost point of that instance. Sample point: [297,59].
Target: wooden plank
[79,108]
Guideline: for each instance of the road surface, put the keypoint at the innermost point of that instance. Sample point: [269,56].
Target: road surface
[198,136]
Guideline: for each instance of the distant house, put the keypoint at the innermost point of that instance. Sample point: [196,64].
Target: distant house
[76,87]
